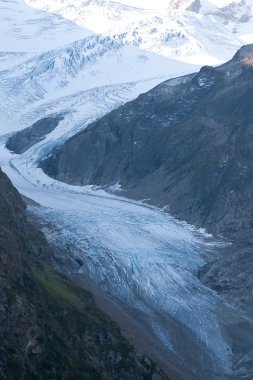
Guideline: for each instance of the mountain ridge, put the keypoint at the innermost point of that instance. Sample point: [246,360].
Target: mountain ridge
[165,109]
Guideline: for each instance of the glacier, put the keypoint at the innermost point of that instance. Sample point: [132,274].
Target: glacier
[143,257]
[83,59]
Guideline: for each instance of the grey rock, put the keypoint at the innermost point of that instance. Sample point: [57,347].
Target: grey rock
[25,139]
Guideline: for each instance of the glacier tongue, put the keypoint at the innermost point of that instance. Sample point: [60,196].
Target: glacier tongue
[137,254]
[140,255]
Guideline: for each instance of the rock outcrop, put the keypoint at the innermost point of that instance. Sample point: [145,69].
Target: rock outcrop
[21,141]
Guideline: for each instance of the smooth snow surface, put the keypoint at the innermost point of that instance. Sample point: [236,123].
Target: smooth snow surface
[83,59]
[25,29]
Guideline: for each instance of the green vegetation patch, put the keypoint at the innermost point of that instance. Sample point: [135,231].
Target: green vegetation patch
[58,289]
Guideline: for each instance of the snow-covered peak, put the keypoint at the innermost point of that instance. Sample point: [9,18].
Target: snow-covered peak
[107,16]
[158,4]
[194,5]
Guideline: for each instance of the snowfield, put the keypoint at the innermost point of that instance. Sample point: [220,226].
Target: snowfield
[59,49]
[83,59]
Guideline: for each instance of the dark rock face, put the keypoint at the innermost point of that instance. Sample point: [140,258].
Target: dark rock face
[232,276]
[49,327]
[25,139]
[187,143]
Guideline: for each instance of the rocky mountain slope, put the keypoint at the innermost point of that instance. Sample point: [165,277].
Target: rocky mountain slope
[185,144]
[25,139]
[49,327]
